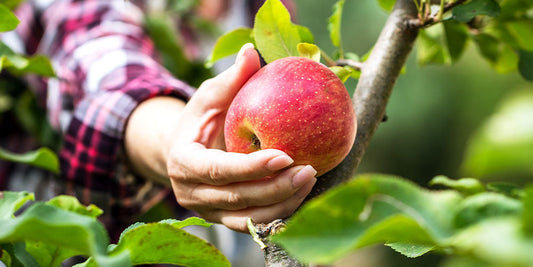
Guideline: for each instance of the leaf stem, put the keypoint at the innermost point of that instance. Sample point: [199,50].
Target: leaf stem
[357,65]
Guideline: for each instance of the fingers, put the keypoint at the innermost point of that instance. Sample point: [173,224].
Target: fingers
[196,164]
[218,92]
[236,220]
[239,196]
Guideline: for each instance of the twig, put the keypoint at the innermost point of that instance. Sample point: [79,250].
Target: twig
[350,63]
[426,21]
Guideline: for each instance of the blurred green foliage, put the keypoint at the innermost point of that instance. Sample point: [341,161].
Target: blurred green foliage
[434,110]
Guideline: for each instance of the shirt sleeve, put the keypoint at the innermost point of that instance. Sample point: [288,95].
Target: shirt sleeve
[105,66]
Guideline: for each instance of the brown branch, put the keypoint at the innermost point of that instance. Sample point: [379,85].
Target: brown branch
[370,99]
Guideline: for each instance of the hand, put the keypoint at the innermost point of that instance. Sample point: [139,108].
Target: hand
[227,187]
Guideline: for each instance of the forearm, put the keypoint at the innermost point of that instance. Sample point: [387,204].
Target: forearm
[149,135]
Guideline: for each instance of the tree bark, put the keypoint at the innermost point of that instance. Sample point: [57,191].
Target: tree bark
[378,77]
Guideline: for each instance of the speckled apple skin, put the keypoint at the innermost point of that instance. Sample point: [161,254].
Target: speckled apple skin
[296,105]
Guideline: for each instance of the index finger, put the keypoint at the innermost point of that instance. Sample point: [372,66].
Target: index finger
[197,164]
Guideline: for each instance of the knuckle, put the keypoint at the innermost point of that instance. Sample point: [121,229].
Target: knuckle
[235,201]
[216,175]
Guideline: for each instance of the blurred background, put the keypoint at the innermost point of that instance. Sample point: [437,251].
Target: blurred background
[458,120]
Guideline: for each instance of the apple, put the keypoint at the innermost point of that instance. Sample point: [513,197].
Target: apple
[296,105]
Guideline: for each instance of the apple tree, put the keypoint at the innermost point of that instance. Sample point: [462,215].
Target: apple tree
[483,222]
[473,222]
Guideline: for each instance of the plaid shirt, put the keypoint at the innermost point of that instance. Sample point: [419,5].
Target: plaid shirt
[105,65]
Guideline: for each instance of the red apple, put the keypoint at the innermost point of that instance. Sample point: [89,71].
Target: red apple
[296,105]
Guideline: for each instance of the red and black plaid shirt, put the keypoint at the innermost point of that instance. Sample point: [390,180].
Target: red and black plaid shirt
[105,65]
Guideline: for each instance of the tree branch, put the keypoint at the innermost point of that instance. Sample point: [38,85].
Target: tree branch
[370,99]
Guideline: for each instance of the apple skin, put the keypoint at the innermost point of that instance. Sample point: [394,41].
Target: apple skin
[296,105]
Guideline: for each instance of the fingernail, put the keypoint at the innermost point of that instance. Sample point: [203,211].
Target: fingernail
[243,49]
[279,162]
[303,176]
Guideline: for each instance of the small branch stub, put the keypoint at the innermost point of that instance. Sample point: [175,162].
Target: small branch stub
[275,256]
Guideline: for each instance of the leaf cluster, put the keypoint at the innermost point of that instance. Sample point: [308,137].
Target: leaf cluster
[275,36]
[501,31]
[478,222]
[48,233]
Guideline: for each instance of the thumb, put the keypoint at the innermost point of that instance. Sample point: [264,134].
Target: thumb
[218,92]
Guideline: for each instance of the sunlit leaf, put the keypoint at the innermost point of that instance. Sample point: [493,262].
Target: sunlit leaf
[18,64]
[306,36]
[369,209]
[8,20]
[334,25]
[499,241]
[229,44]
[498,53]
[342,72]
[310,51]
[522,32]
[504,143]
[43,158]
[75,233]
[466,12]
[386,4]
[431,46]
[411,250]
[71,203]
[467,186]
[10,202]
[166,242]
[275,35]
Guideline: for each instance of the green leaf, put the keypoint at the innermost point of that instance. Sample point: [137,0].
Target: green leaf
[499,241]
[165,242]
[310,51]
[527,216]
[5,257]
[334,25]
[443,43]
[8,20]
[187,222]
[386,4]
[369,209]
[466,12]
[10,202]
[306,36]
[411,250]
[166,39]
[342,72]
[499,54]
[43,158]
[482,206]
[18,64]
[229,44]
[69,232]
[456,38]
[525,64]
[71,203]
[503,145]
[467,186]
[508,189]
[521,32]
[275,35]
[431,47]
